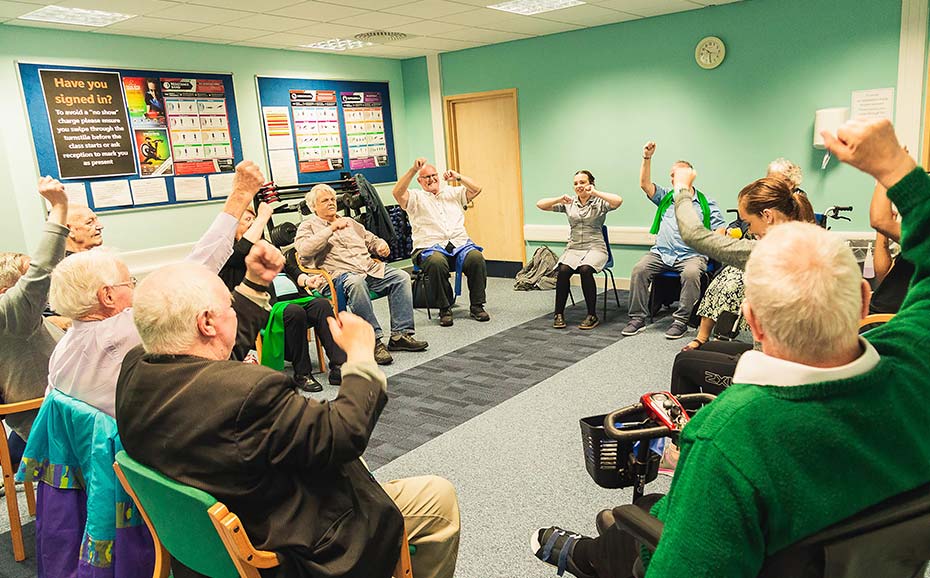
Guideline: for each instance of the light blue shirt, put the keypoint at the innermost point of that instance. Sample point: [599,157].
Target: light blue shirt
[669,245]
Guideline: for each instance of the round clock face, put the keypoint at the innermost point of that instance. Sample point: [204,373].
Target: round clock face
[709,52]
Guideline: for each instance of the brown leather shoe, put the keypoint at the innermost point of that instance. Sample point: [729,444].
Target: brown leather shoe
[558,322]
[478,313]
[382,357]
[406,342]
[589,322]
[445,317]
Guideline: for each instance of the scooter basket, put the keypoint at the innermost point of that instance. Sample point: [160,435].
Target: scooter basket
[609,462]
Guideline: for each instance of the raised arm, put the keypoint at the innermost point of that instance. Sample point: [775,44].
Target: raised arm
[723,248]
[551,203]
[472,189]
[21,305]
[881,257]
[400,192]
[613,201]
[645,171]
[254,232]
[216,244]
[881,214]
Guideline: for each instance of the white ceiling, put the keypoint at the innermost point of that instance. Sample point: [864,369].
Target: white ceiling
[434,26]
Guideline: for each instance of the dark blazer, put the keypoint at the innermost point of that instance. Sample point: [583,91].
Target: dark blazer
[288,466]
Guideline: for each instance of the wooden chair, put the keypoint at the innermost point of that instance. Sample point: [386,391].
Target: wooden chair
[311,336]
[180,519]
[875,319]
[12,503]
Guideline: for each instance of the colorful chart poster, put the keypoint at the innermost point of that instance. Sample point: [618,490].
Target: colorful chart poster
[278,128]
[145,102]
[364,122]
[316,130]
[90,127]
[154,153]
[196,116]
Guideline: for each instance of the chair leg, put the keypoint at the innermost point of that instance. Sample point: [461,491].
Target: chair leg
[570,296]
[426,289]
[311,334]
[12,505]
[30,498]
[605,294]
[614,283]
[404,568]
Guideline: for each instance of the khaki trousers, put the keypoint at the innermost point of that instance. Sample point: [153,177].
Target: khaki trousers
[431,517]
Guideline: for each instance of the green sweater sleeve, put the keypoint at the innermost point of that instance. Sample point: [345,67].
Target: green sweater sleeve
[912,197]
[723,248]
[711,517]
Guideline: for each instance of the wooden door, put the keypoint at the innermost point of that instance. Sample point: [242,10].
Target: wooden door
[483,142]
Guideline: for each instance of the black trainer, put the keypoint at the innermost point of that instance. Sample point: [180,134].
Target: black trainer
[335,375]
[554,546]
[406,342]
[308,383]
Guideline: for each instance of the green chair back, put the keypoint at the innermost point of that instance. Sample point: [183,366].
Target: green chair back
[179,514]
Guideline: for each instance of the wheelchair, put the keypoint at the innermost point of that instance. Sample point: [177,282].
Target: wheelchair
[890,539]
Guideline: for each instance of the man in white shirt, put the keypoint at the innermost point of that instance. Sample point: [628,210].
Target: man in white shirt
[440,242]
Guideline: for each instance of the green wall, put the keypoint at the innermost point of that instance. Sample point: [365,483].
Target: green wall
[155,227]
[591,98]
[419,117]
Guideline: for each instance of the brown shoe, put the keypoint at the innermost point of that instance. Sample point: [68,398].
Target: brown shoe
[406,342]
[445,317]
[382,357]
[558,322]
[589,322]
[478,313]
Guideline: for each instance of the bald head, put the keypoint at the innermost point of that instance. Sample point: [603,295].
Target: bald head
[84,230]
[184,309]
[805,295]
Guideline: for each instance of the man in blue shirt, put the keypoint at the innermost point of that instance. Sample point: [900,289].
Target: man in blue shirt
[669,253]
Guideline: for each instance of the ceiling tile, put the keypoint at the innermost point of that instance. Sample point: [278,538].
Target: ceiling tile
[247,5]
[482,35]
[160,26]
[478,17]
[479,3]
[14,9]
[378,20]
[715,2]
[368,4]
[255,44]
[284,40]
[650,7]
[192,38]
[230,33]
[435,43]
[270,23]
[528,25]
[328,31]
[429,9]
[428,28]
[134,7]
[205,14]
[37,24]
[587,15]
[319,11]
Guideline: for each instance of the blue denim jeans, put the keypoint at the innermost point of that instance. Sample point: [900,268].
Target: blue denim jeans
[396,284]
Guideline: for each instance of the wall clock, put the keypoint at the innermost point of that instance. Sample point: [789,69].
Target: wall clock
[709,52]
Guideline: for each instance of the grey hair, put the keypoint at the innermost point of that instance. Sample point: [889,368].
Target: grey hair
[787,169]
[11,268]
[78,278]
[804,287]
[167,319]
[310,197]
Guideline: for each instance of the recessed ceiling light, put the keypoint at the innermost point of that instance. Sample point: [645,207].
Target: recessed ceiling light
[337,44]
[79,16]
[530,7]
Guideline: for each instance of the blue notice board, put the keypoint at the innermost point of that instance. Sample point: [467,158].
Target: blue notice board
[133,138]
[316,129]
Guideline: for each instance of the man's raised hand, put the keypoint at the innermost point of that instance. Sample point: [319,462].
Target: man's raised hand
[871,147]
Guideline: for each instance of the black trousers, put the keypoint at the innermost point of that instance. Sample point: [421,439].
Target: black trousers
[588,287]
[708,369]
[297,319]
[436,268]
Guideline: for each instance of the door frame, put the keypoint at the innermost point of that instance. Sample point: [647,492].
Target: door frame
[452,152]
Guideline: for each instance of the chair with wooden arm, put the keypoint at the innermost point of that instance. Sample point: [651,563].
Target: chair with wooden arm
[6,464]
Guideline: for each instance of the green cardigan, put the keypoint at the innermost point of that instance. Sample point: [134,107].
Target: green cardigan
[765,466]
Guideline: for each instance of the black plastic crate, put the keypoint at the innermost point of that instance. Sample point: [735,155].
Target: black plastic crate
[608,461]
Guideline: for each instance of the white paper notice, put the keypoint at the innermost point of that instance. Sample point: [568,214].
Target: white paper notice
[149,191]
[220,184]
[876,104]
[111,193]
[76,193]
[277,127]
[190,189]
[283,167]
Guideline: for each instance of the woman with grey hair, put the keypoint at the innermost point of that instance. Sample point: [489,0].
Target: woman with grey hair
[26,338]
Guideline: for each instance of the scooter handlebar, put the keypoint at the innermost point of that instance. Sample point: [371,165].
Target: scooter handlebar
[689,401]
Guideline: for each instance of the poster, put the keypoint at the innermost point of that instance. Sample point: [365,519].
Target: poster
[154,153]
[90,126]
[316,130]
[145,102]
[364,121]
[198,125]
[277,128]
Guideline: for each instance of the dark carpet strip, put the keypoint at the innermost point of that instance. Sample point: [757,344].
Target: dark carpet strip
[9,568]
[431,399]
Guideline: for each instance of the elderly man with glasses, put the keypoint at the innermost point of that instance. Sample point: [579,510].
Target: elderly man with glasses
[440,241]
[95,289]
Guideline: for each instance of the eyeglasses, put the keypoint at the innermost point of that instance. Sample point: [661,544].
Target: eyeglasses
[428,178]
[130,283]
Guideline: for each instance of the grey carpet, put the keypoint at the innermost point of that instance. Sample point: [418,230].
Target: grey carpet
[431,399]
